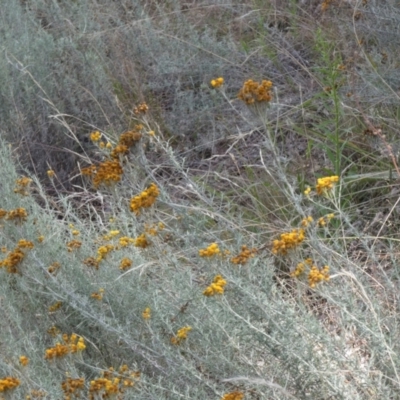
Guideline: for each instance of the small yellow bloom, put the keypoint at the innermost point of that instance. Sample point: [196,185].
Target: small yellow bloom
[298,271]
[181,335]
[253,92]
[25,244]
[317,275]
[9,382]
[125,264]
[233,396]
[330,216]
[326,183]
[307,191]
[51,173]
[216,287]
[125,241]
[95,136]
[306,221]
[24,360]
[141,109]
[81,344]
[146,314]
[98,295]
[55,306]
[288,241]
[218,82]
[210,251]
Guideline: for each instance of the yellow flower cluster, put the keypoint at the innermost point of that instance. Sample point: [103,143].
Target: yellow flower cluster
[288,241]
[98,295]
[210,251]
[72,344]
[145,199]
[111,235]
[252,92]
[54,267]
[324,184]
[95,136]
[216,287]
[125,264]
[71,387]
[16,256]
[325,220]
[218,82]
[104,386]
[126,141]
[12,260]
[8,383]
[307,221]
[119,150]
[154,229]
[298,271]
[129,138]
[91,262]
[35,394]
[146,314]
[181,335]
[107,145]
[317,275]
[141,109]
[25,244]
[73,244]
[112,383]
[244,255]
[107,172]
[102,251]
[54,307]
[233,396]
[17,215]
[51,174]
[22,186]
[141,241]
[24,361]
[125,241]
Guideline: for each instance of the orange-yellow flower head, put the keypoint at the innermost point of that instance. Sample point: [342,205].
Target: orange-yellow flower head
[288,241]
[233,396]
[216,83]
[217,286]
[145,199]
[210,251]
[253,92]
[326,184]
[95,136]
[181,335]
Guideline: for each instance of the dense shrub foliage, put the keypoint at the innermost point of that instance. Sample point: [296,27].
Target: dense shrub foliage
[199,200]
